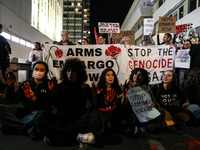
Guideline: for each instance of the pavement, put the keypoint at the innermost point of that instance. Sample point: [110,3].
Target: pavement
[188,138]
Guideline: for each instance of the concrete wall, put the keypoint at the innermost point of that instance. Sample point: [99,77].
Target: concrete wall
[18,14]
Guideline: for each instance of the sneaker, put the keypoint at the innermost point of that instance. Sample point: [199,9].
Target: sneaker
[86,138]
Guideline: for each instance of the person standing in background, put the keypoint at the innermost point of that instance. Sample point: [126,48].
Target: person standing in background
[5,50]
[64,41]
[36,54]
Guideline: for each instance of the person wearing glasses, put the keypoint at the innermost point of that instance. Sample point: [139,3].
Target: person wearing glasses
[169,97]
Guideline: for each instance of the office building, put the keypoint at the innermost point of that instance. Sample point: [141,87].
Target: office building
[76,19]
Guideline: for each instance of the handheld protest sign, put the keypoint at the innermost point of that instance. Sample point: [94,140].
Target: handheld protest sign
[105,27]
[117,37]
[167,25]
[148,26]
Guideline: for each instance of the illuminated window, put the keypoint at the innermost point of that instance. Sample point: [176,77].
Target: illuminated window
[22,42]
[78,4]
[6,35]
[47,17]
[15,39]
[72,4]
[28,44]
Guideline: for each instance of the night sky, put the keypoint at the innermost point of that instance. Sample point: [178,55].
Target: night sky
[107,11]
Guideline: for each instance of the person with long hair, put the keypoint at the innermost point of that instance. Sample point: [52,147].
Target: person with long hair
[169,97]
[192,93]
[106,100]
[141,115]
[36,54]
[72,118]
[36,97]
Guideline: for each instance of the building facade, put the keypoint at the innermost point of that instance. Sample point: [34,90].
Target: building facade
[185,11]
[76,19]
[28,21]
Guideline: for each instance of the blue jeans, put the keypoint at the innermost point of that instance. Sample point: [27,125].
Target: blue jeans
[195,109]
[183,75]
[10,120]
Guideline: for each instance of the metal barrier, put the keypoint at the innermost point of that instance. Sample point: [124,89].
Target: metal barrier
[15,66]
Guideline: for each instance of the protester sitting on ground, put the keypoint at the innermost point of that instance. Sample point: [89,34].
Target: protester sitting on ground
[36,54]
[144,42]
[36,97]
[85,42]
[126,41]
[184,73]
[169,97]
[192,93]
[106,101]
[64,41]
[72,117]
[141,114]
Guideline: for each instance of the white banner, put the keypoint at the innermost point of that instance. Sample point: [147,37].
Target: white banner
[148,26]
[156,59]
[105,27]
[141,102]
[182,59]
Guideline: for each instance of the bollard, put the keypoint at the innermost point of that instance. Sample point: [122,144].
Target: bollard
[28,72]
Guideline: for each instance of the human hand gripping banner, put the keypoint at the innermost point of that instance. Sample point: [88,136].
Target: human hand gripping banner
[156,59]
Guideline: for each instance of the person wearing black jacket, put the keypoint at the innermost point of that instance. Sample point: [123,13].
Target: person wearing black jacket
[71,97]
[64,41]
[35,95]
[5,50]
[195,56]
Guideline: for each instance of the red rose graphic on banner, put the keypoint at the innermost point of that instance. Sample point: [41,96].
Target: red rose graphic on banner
[59,53]
[114,52]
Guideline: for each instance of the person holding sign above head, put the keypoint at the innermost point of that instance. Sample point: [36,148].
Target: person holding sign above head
[144,42]
[140,108]
[166,39]
[169,97]
[102,38]
[183,72]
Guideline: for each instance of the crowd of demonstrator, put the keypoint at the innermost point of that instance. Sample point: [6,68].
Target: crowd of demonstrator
[86,112]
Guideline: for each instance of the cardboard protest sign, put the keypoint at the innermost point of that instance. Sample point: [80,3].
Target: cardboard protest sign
[140,102]
[117,37]
[105,27]
[148,26]
[182,59]
[167,25]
